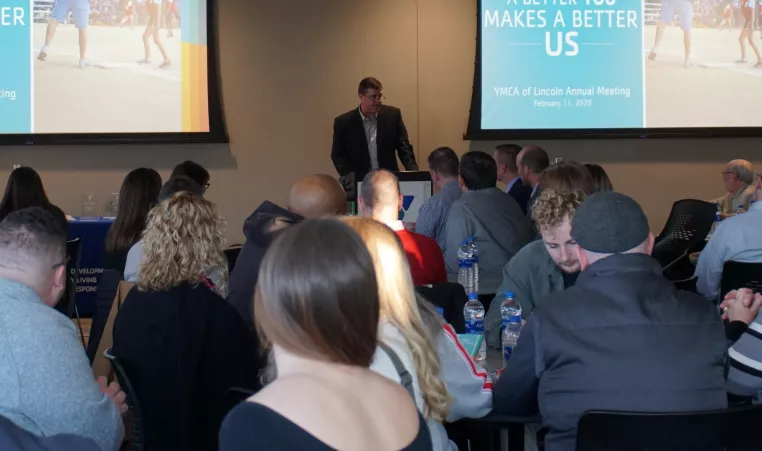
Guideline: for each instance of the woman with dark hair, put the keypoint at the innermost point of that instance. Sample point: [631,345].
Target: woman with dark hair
[24,190]
[601,179]
[317,306]
[137,196]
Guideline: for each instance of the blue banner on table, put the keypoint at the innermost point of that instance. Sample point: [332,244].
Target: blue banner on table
[15,66]
[562,64]
[92,232]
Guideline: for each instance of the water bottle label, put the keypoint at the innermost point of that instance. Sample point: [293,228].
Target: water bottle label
[475,326]
[507,352]
[440,310]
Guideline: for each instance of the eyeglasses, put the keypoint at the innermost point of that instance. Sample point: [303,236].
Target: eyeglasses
[376,97]
[206,186]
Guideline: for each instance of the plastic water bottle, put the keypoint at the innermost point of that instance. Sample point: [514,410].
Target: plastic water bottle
[474,250]
[465,268]
[473,312]
[510,310]
[510,338]
[739,209]
[715,223]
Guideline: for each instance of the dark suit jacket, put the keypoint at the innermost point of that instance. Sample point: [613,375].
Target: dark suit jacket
[349,151]
[521,193]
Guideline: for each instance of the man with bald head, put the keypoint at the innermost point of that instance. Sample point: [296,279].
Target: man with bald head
[738,179]
[381,199]
[310,197]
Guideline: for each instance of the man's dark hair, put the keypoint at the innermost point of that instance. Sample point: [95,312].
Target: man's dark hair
[33,232]
[193,170]
[506,154]
[369,83]
[179,184]
[535,158]
[478,170]
[444,160]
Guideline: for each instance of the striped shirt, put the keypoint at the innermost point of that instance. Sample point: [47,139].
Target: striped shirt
[745,358]
[432,216]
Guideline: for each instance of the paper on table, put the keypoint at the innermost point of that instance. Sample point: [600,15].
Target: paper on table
[471,342]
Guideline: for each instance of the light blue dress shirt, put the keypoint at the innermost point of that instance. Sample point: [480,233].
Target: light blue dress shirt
[510,184]
[739,239]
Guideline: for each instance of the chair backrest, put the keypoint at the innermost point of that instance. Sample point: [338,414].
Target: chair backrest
[74,255]
[101,366]
[737,275]
[452,298]
[138,431]
[722,430]
[688,225]
[105,296]
[231,254]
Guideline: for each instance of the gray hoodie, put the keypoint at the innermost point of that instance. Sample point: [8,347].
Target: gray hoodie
[496,222]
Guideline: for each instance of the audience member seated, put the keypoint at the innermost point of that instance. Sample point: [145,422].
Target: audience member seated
[24,190]
[13,438]
[738,178]
[138,195]
[508,173]
[193,171]
[468,386]
[317,305]
[46,383]
[567,176]
[735,239]
[622,338]
[381,200]
[432,216]
[541,267]
[600,178]
[170,188]
[490,216]
[741,310]
[532,161]
[311,197]
[182,345]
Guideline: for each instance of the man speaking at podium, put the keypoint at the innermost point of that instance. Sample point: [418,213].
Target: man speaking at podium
[366,138]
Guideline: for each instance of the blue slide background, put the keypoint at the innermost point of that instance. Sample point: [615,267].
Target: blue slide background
[523,66]
[15,72]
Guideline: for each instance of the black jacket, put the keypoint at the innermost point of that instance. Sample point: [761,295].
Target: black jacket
[260,230]
[521,193]
[622,338]
[349,151]
[183,349]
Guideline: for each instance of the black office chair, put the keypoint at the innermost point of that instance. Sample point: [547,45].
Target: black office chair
[452,298]
[688,225]
[737,275]
[138,431]
[74,255]
[721,430]
[232,254]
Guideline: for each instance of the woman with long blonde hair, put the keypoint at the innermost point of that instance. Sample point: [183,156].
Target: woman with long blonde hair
[182,345]
[446,383]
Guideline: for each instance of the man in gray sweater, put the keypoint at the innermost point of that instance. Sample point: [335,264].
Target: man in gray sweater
[490,216]
[46,383]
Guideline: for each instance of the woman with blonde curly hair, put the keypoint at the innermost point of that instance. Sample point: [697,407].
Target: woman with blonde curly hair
[182,345]
[446,384]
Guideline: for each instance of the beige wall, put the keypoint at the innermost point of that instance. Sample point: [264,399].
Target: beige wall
[288,67]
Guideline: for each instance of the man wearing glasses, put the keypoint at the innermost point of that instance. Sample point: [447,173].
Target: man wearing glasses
[366,138]
[738,179]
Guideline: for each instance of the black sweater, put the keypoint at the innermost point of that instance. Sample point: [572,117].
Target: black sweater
[183,349]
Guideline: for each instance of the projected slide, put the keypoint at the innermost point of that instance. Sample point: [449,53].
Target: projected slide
[591,64]
[95,75]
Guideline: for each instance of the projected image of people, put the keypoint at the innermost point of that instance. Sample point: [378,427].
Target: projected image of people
[620,64]
[106,66]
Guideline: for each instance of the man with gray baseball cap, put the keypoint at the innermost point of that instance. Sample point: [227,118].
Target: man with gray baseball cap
[622,338]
